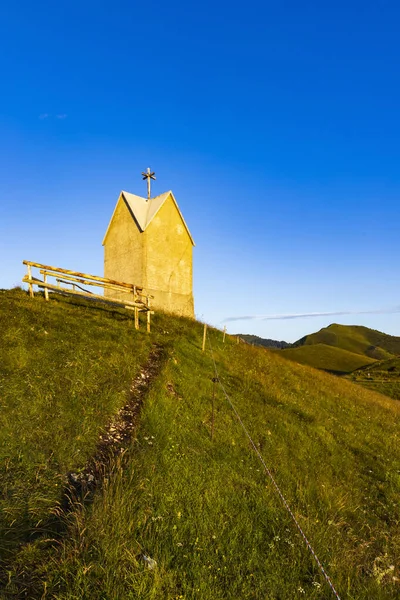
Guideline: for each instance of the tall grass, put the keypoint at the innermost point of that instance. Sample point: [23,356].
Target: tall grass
[64,371]
[205,511]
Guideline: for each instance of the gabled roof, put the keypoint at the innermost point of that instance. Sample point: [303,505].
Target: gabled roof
[143,211]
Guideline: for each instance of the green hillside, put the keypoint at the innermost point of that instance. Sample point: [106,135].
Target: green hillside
[382,376]
[63,374]
[204,509]
[357,339]
[328,358]
[341,349]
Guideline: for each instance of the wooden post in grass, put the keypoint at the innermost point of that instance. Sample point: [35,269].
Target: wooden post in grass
[148,314]
[30,284]
[204,337]
[46,291]
[136,311]
[223,338]
[237,339]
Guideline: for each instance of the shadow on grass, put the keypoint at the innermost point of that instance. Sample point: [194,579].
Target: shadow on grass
[80,487]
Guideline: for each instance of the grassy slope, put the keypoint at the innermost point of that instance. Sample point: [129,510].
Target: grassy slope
[328,358]
[205,510]
[63,371]
[382,376]
[357,339]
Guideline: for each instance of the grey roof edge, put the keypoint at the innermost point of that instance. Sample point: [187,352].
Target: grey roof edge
[132,213]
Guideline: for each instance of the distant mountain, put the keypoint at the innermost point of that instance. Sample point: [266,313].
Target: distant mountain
[343,348]
[355,338]
[328,358]
[259,341]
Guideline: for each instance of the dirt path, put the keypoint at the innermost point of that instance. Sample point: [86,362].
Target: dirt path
[80,486]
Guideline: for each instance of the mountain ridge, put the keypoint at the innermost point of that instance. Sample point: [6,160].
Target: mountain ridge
[355,338]
[264,342]
[337,348]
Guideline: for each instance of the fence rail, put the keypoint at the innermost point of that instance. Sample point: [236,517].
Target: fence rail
[136,298]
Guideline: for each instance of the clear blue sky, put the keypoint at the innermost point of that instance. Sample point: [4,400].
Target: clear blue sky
[276,124]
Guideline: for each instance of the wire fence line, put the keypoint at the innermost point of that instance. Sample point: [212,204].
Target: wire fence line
[267,470]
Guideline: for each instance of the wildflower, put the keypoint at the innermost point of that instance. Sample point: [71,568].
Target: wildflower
[381,568]
[150,562]
[179,514]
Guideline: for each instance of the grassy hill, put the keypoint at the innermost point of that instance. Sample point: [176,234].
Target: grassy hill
[202,508]
[342,349]
[63,374]
[357,339]
[328,358]
[382,376]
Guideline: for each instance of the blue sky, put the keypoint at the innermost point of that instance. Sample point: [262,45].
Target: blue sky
[275,124]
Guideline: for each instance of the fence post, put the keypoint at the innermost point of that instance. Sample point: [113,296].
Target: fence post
[223,338]
[136,311]
[148,320]
[30,284]
[46,291]
[204,337]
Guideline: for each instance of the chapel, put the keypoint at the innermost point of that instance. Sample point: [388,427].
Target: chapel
[148,243]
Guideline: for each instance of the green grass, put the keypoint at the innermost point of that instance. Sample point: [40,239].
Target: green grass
[382,376]
[204,509]
[357,339]
[328,358]
[64,370]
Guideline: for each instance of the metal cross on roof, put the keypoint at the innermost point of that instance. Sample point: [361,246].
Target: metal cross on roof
[149,176]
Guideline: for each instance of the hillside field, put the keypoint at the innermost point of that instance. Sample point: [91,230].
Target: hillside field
[357,339]
[382,376]
[343,349]
[202,508]
[328,358]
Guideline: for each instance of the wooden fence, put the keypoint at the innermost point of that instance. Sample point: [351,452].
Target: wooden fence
[137,300]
